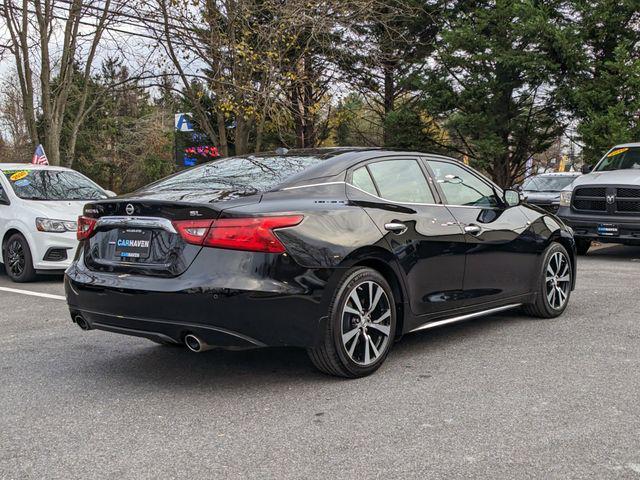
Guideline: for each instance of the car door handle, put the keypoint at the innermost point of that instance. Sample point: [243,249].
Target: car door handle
[472,229]
[395,227]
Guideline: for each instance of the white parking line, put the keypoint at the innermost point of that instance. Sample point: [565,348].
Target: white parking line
[34,294]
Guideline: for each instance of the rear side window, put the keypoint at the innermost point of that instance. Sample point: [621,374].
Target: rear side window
[239,174]
[401,181]
[362,180]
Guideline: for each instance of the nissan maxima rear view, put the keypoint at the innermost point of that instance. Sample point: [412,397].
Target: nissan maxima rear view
[338,251]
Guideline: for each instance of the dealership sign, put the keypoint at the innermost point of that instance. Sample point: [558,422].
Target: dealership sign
[183,122]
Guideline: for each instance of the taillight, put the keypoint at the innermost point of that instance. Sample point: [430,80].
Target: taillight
[85,227]
[254,234]
[193,231]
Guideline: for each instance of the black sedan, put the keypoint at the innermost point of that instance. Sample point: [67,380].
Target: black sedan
[544,189]
[339,251]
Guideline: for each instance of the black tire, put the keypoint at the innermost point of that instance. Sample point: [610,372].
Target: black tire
[18,262]
[582,246]
[542,307]
[332,356]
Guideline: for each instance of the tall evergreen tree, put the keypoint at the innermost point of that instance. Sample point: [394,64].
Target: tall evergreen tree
[387,50]
[492,82]
[602,87]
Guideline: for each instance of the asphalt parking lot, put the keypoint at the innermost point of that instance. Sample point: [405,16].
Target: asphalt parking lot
[499,397]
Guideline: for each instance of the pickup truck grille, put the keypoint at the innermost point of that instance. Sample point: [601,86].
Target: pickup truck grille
[590,199]
[594,199]
[628,199]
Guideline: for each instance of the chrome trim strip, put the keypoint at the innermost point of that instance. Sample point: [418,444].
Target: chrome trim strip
[468,316]
[142,222]
[312,185]
[477,207]
[386,199]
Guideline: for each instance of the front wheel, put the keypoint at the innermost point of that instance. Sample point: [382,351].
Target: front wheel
[17,258]
[360,328]
[554,284]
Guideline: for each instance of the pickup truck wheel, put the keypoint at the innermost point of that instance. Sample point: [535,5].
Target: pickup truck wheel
[582,246]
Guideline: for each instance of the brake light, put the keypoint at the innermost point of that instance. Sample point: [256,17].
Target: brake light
[193,231]
[254,234]
[86,225]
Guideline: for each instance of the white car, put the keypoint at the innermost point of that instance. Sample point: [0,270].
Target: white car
[39,207]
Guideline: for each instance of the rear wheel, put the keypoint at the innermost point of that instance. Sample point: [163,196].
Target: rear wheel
[360,328]
[582,246]
[554,284]
[17,259]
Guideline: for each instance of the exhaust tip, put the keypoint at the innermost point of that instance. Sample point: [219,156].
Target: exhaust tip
[193,343]
[81,322]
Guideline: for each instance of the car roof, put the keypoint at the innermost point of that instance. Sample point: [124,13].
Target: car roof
[338,159]
[29,166]
[625,145]
[558,174]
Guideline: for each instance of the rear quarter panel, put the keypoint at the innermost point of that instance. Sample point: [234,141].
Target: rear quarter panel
[332,228]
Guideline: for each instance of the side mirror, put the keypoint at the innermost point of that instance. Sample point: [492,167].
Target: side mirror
[512,198]
[110,193]
[586,168]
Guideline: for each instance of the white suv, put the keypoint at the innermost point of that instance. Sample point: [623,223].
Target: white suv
[39,206]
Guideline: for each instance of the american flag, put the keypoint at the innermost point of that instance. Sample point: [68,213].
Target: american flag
[39,157]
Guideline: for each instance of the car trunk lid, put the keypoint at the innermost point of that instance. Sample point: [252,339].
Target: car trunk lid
[145,236]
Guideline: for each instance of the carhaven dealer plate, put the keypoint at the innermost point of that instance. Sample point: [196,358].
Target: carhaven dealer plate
[608,230]
[133,243]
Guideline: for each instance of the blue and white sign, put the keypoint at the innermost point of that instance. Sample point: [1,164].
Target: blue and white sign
[183,123]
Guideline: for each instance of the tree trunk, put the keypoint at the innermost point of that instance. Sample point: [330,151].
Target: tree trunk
[222,136]
[501,172]
[389,96]
[52,142]
[259,134]
[297,115]
[243,128]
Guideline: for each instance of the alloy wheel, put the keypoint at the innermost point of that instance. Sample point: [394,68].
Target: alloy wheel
[16,258]
[366,323]
[558,280]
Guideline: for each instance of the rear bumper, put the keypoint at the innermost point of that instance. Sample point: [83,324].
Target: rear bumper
[586,226]
[230,309]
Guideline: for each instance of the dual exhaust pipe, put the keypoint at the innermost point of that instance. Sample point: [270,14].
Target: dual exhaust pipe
[191,341]
[196,344]
[81,322]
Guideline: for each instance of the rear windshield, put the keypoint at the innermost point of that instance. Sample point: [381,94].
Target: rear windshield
[620,159]
[547,184]
[251,174]
[52,185]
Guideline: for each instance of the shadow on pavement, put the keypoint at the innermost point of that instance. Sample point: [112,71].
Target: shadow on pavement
[57,277]
[615,252]
[176,368]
